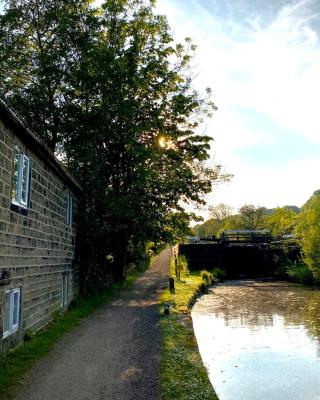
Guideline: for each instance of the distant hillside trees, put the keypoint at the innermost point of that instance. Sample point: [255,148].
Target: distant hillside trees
[280,221]
[207,228]
[110,92]
[220,213]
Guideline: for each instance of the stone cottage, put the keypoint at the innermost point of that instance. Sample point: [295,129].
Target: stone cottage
[38,272]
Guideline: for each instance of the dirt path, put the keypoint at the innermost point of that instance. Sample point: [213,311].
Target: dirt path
[112,355]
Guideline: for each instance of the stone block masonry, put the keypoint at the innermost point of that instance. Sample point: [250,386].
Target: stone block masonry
[38,272]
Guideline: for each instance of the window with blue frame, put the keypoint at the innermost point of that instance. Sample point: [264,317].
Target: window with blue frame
[20,178]
[11,313]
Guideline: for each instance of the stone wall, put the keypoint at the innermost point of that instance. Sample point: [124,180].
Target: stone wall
[36,245]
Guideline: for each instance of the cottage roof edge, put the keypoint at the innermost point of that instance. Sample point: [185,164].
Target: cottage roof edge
[38,146]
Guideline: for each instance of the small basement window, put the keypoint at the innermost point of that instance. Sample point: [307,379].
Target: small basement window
[20,178]
[70,209]
[11,315]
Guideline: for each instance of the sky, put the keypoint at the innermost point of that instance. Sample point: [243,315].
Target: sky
[262,61]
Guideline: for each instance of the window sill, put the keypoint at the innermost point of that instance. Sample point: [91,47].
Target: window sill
[9,333]
[19,208]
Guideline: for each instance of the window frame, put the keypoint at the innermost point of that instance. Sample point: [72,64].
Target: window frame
[12,328]
[23,160]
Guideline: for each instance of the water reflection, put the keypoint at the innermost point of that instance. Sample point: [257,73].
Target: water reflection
[260,340]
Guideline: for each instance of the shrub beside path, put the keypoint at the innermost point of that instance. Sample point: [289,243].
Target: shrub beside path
[112,355]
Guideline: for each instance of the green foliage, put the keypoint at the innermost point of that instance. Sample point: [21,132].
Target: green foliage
[251,217]
[220,215]
[281,222]
[150,248]
[182,265]
[308,231]
[207,277]
[300,273]
[233,223]
[183,375]
[40,53]
[215,227]
[218,274]
[110,91]
[208,228]
[176,225]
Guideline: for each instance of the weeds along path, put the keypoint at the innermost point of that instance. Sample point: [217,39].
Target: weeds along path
[112,355]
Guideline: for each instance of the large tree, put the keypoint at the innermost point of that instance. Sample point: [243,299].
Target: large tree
[251,217]
[42,42]
[121,109]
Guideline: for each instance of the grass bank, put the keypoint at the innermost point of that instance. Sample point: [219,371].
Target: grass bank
[183,375]
[18,361]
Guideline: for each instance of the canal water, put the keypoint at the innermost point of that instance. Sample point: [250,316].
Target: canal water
[260,340]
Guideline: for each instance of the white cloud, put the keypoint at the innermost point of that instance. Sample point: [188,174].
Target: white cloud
[273,70]
[272,187]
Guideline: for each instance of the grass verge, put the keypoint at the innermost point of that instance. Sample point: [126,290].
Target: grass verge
[18,361]
[183,375]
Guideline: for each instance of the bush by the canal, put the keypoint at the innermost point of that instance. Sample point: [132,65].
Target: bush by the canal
[219,274]
[207,277]
[299,272]
[288,265]
[183,375]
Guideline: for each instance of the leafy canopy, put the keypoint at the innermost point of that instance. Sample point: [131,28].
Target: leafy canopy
[308,231]
[109,90]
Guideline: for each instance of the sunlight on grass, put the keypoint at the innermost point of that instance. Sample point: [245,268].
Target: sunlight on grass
[183,375]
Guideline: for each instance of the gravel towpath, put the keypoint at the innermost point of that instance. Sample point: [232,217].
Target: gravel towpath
[112,355]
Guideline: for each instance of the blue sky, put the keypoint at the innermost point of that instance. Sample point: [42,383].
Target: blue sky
[262,60]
